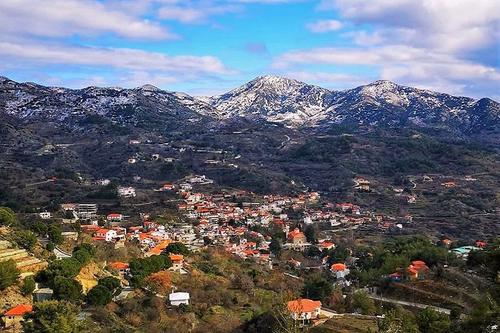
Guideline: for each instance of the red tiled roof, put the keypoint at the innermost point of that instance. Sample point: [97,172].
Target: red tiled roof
[303,305]
[19,310]
[118,265]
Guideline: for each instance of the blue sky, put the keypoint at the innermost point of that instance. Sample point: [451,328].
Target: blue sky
[206,47]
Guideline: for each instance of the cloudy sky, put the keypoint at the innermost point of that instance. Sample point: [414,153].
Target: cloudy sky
[206,47]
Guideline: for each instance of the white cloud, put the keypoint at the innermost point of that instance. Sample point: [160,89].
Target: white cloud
[190,12]
[400,63]
[60,18]
[325,26]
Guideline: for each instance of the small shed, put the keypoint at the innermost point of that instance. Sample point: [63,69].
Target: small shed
[179,298]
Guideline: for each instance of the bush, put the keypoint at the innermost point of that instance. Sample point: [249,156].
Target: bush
[142,267]
[52,316]
[8,274]
[7,216]
[67,289]
[99,295]
[28,285]
[25,239]
[177,248]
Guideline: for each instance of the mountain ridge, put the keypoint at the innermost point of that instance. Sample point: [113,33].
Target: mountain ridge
[268,98]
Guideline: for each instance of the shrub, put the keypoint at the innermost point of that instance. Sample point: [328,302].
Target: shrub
[8,274]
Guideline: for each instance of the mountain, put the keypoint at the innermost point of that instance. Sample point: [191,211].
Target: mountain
[275,99]
[264,100]
[382,103]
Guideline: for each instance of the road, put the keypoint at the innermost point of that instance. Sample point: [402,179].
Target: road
[61,254]
[411,304]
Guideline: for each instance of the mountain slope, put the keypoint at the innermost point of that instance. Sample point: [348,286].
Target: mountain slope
[266,99]
[275,99]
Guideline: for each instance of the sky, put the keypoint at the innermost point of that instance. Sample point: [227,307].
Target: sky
[207,47]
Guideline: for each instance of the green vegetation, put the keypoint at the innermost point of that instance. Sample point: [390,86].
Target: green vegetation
[66,288]
[25,239]
[52,317]
[7,216]
[28,285]
[142,267]
[8,274]
[176,248]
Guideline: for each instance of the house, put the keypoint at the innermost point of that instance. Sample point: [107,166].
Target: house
[418,270]
[127,192]
[326,245]
[297,237]
[45,215]
[106,234]
[340,270]
[304,309]
[42,294]
[178,298]
[177,262]
[114,217]
[463,252]
[168,187]
[362,184]
[86,211]
[13,317]
[120,267]
[449,184]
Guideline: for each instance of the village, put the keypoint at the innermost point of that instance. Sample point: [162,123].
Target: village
[295,235]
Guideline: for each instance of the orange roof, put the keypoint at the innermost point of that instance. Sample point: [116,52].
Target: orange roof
[159,247]
[176,257]
[302,305]
[338,267]
[118,265]
[102,231]
[19,310]
[418,263]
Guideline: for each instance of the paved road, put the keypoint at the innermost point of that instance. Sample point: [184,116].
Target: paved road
[412,304]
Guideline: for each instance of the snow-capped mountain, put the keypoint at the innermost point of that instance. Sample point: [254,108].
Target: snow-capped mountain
[264,99]
[29,101]
[275,99]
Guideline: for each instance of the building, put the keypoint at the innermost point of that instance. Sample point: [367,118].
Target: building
[45,215]
[340,270]
[418,270]
[106,234]
[177,262]
[114,217]
[120,267]
[126,192]
[86,211]
[42,294]
[13,317]
[178,298]
[304,309]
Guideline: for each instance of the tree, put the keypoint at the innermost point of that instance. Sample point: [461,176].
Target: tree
[159,282]
[177,248]
[67,267]
[311,234]
[84,253]
[363,304]
[431,321]
[25,239]
[99,295]
[317,288]
[398,320]
[52,317]
[55,234]
[142,267]
[7,216]
[111,283]
[275,247]
[8,274]
[28,285]
[67,289]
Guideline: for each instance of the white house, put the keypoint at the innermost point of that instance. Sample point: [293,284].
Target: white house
[107,234]
[179,298]
[45,215]
[304,309]
[114,217]
[126,192]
